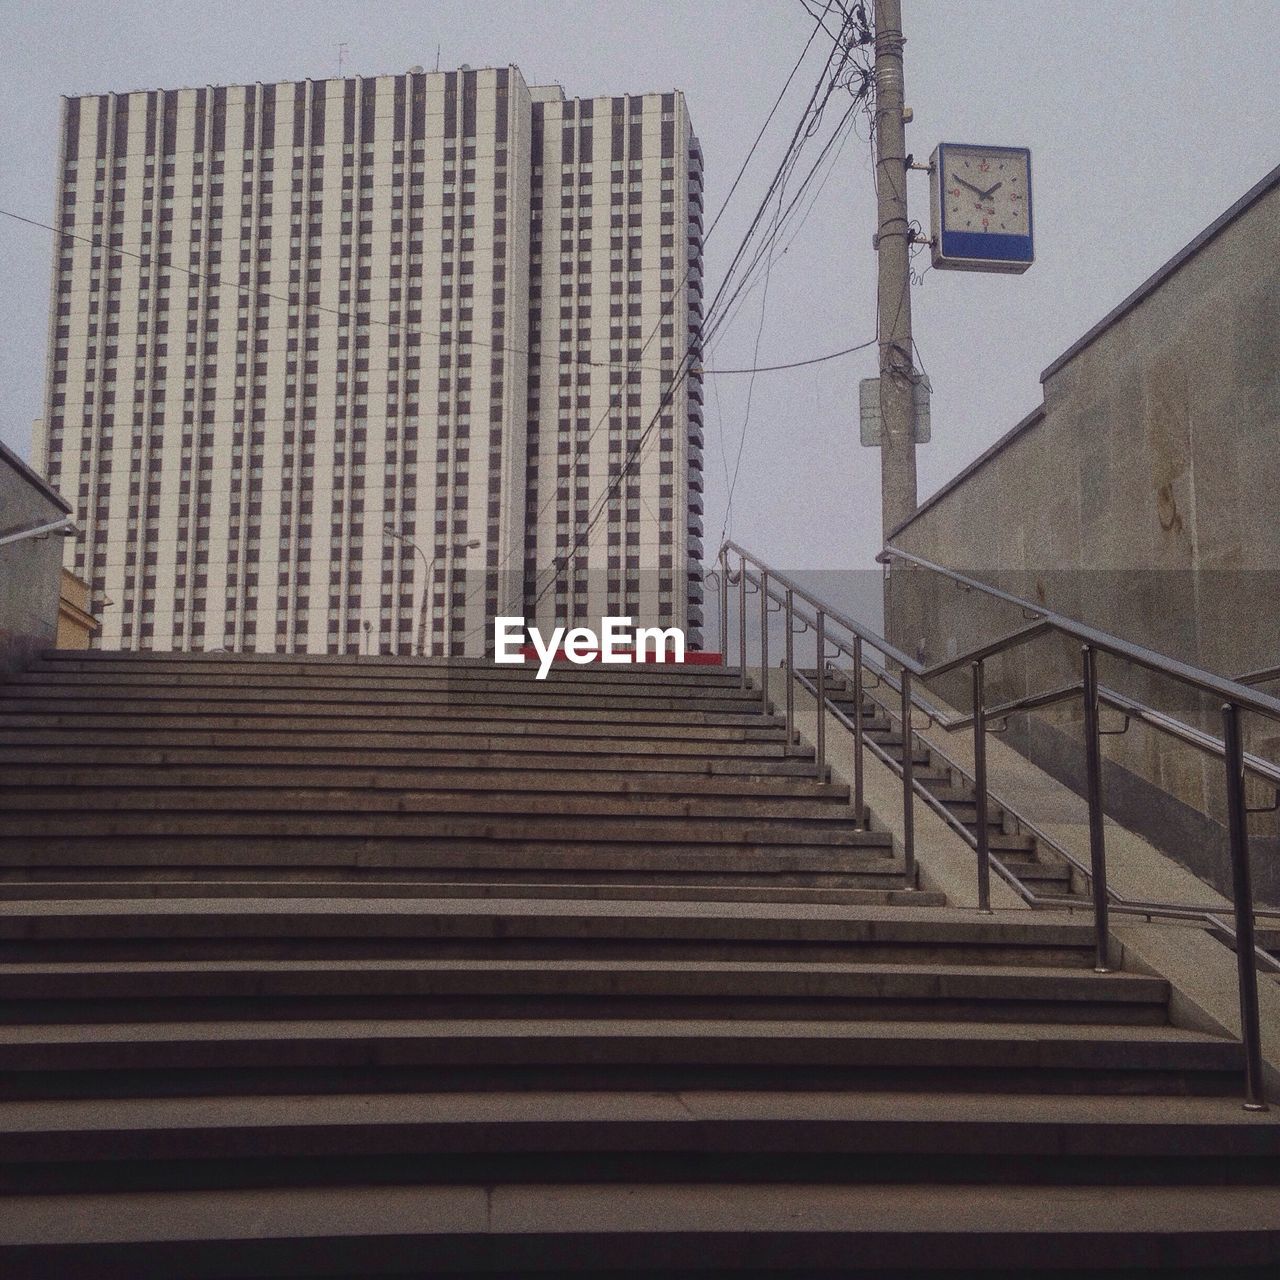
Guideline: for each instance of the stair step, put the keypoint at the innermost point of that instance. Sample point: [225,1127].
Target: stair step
[565,890]
[1040,872]
[340,667]
[425,696]
[729,930]
[406,730]
[231,780]
[242,713]
[462,743]
[122,991]
[21,805]
[392,761]
[205,1056]
[109,1143]
[655,1229]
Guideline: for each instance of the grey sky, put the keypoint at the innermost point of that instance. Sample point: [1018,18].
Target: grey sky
[1146,119]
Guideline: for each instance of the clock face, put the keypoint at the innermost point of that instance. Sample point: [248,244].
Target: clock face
[981,203]
[986,191]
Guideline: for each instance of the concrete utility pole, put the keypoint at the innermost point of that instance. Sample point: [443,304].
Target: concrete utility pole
[897,409]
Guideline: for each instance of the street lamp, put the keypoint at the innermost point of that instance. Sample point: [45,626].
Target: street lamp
[429,579]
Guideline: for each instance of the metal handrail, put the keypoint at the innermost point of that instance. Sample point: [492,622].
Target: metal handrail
[1262,676]
[1236,698]
[64,525]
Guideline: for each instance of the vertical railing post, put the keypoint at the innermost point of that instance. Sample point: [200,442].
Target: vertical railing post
[742,621]
[1097,832]
[764,641]
[789,667]
[1242,901]
[724,605]
[859,800]
[820,684]
[908,786]
[980,787]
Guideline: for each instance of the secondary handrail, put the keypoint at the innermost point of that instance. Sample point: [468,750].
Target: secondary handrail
[65,524]
[1237,697]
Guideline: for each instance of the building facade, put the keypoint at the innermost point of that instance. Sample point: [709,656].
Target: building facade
[355,365]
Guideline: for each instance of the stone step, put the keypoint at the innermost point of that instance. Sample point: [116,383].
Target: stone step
[26,685]
[128,991]
[1040,875]
[229,779]
[509,823]
[461,726]
[353,864]
[513,737]
[421,927]
[921,757]
[374,848]
[804,814]
[360,713]
[379,1054]
[343,667]
[185,884]
[766,762]
[567,1136]
[639,1229]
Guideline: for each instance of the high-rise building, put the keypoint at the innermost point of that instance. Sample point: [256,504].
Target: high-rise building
[356,365]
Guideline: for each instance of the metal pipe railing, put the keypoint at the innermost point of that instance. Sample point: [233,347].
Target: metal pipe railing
[66,524]
[1237,697]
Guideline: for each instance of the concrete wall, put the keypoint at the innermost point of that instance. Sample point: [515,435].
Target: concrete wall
[1141,498]
[29,570]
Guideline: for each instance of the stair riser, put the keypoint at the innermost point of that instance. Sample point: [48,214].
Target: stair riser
[421,1156]
[147,886]
[350,806]
[455,1239]
[268,946]
[327,667]
[229,732]
[623,1004]
[448,719]
[227,781]
[216,1076]
[391,763]
[428,700]
[27,747]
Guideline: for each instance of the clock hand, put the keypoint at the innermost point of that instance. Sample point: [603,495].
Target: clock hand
[990,191]
[963,183]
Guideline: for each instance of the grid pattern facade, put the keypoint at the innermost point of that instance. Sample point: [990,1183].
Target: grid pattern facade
[289,317]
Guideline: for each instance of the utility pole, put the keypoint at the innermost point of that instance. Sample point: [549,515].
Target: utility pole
[893,243]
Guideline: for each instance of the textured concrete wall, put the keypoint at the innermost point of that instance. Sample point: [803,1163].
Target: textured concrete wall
[1140,498]
[29,570]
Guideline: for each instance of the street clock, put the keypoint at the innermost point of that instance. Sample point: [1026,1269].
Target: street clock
[981,198]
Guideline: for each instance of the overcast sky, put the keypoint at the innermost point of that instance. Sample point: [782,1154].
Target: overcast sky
[1146,120]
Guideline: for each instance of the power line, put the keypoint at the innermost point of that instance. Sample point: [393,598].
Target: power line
[694,347]
[802,132]
[797,364]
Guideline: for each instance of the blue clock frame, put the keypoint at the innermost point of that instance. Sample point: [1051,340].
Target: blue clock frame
[979,250]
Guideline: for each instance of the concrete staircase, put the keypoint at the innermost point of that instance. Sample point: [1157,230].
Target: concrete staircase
[355,968]
[1040,868]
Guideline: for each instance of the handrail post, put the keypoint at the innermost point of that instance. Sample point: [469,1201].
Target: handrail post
[859,799]
[908,787]
[1097,833]
[724,605]
[764,642]
[821,687]
[1242,901]
[980,786]
[742,621]
[789,666]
